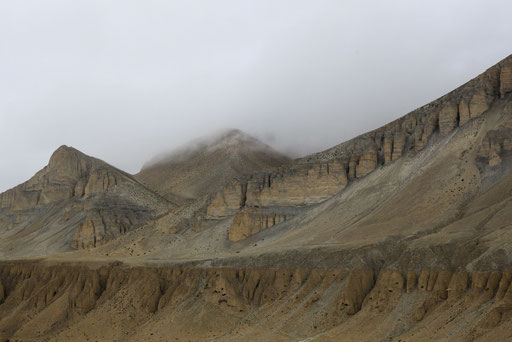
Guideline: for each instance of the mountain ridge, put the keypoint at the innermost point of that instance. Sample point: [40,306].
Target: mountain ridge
[405,229]
[79,198]
[198,170]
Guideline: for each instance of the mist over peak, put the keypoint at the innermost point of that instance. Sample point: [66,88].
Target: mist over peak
[231,142]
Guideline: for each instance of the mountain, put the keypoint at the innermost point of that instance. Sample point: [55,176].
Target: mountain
[204,166]
[76,201]
[400,234]
[464,135]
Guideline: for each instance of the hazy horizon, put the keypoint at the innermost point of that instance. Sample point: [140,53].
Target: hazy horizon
[125,81]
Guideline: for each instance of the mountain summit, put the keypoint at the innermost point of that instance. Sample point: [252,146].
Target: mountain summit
[75,201]
[202,167]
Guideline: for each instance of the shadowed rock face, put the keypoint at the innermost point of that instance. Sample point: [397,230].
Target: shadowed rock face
[79,194]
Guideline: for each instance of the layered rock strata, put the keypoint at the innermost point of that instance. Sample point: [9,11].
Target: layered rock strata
[68,174]
[317,177]
[250,221]
[496,143]
[288,186]
[82,194]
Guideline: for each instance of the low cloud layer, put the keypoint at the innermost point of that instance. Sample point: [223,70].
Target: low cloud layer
[126,80]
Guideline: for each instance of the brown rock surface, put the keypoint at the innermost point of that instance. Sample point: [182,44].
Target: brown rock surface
[448,118]
[367,163]
[496,143]
[398,145]
[387,148]
[295,185]
[479,103]
[229,200]
[80,197]
[464,114]
[506,79]
[63,302]
[250,221]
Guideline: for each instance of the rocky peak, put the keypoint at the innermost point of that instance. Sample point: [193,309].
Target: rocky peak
[64,153]
[69,173]
[203,166]
[235,140]
[80,194]
[69,162]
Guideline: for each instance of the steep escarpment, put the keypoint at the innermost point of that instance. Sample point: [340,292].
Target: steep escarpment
[286,186]
[317,177]
[66,302]
[78,201]
[249,222]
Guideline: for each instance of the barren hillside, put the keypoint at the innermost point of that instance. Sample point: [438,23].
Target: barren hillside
[401,234]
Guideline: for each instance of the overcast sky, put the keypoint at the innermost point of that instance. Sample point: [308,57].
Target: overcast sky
[126,80]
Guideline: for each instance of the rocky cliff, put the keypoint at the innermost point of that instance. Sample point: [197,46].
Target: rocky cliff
[496,144]
[250,221]
[315,178]
[67,302]
[295,185]
[78,196]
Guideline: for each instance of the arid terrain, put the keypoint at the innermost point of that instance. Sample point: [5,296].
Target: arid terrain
[401,234]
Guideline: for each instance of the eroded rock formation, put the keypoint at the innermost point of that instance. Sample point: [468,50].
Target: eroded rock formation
[496,144]
[79,193]
[288,186]
[308,301]
[317,177]
[69,174]
[506,79]
[250,221]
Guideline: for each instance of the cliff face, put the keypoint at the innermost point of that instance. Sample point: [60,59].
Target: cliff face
[496,144]
[67,302]
[84,196]
[317,177]
[296,185]
[249,222]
